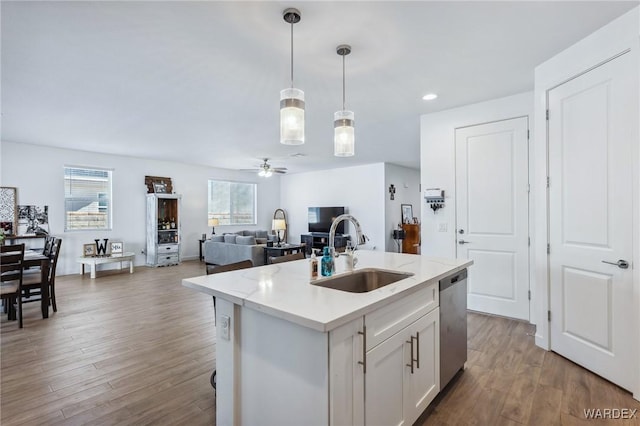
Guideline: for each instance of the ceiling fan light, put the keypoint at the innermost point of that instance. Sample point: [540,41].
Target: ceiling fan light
[268,173]
[262,173]
[344,134]
[292,116]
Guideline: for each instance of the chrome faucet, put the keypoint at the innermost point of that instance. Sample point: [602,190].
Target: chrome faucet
[360,238]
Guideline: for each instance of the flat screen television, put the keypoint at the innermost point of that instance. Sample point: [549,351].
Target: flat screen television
[321,218]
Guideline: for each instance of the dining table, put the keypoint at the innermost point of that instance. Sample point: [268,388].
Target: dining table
[32,259]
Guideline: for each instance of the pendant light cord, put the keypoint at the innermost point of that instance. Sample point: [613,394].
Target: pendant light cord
[343,83]
[292,54]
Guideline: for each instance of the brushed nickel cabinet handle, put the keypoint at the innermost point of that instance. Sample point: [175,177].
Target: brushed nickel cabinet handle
[364,349]
[417,349]
[411,343]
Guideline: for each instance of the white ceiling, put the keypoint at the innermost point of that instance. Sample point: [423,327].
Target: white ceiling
[199,82]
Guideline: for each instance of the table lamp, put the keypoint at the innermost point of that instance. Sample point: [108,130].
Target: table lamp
[278,225]
[213,222]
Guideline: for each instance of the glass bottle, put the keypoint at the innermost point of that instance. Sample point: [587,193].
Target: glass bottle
[326,263]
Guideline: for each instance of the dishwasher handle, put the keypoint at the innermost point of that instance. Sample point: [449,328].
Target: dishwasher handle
[452,279]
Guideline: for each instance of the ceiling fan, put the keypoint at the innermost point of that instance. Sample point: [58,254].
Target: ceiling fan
[265,169]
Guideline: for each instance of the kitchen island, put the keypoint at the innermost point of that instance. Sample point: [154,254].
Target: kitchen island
[290,352]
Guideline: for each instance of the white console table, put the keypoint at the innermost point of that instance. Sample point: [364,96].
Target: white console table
[93,261]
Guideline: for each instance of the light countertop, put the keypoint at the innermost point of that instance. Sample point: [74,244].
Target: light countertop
[284,291]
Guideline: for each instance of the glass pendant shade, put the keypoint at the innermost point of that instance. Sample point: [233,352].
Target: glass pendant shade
[344,134]
[291,116]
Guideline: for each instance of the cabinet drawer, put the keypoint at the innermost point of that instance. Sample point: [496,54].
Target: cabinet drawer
[168,248]
[168,259]
[390,319]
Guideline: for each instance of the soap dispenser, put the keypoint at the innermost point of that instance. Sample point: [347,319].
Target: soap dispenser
[313,264]
[326,263]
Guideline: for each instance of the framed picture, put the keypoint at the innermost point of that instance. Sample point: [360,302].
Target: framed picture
[116,248]
[407,213]
[8,209]
[89,250]
[159,188]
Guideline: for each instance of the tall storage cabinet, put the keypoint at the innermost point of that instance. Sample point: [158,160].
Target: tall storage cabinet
[164,234]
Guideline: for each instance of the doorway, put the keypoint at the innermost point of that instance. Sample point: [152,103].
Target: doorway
[492,214]
[590,190]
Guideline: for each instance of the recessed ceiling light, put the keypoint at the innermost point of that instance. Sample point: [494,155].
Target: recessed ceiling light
[429,96]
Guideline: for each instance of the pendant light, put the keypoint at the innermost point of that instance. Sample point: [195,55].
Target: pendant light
[291,99]
[343,124]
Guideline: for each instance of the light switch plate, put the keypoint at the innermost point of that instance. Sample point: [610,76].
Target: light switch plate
[225,324]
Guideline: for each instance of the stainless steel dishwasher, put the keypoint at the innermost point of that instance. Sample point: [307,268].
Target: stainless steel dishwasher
[453,325]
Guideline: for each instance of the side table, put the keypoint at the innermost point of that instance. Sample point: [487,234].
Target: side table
[201,241]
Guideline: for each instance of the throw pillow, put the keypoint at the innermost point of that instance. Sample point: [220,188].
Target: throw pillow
[262,234]
[261,240]
[249,233]
[217,238]
[230,238]
[246,240]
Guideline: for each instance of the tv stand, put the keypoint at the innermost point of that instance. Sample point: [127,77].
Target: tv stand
[319,240]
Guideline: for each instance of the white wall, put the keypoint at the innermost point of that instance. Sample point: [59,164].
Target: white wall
[612,39]
[360,189]
[37,172]
[407,185]
[437,161]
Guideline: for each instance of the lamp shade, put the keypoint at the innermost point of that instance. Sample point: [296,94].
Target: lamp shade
[278,224]
[214,221]
[344,134]
[292,116]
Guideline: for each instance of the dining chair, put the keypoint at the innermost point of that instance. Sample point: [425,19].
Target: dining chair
[31,281]
[287,257]
[11,258]
[216,269]
[48,243]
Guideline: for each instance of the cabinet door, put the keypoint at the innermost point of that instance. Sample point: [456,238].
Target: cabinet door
[346,383]
[384,381]
[422,386]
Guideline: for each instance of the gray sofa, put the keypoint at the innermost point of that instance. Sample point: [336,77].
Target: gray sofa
[231,248]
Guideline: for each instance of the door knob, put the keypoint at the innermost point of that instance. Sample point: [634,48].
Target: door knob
[622,264]
[463,242]
[461,231]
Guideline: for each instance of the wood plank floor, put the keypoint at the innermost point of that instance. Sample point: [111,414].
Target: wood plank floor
[139,349]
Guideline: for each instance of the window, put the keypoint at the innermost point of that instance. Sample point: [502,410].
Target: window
[232,203]
[87,199]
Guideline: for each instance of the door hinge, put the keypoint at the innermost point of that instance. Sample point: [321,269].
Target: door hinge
[548,181]
[529,294]
[547,114]
[549,316]
[528,135]
[529,241]
[528,187]
[548,248]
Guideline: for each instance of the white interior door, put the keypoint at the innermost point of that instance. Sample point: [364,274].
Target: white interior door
[492,219]
[590,219]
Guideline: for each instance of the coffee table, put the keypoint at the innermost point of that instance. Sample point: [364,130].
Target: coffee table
[93,261]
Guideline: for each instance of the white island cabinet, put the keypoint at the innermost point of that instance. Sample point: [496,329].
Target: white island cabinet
[291,353]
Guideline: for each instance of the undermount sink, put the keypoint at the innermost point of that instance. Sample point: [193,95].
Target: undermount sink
[362,280]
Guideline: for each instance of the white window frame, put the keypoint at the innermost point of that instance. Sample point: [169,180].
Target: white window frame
[101,207]
[211,215]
